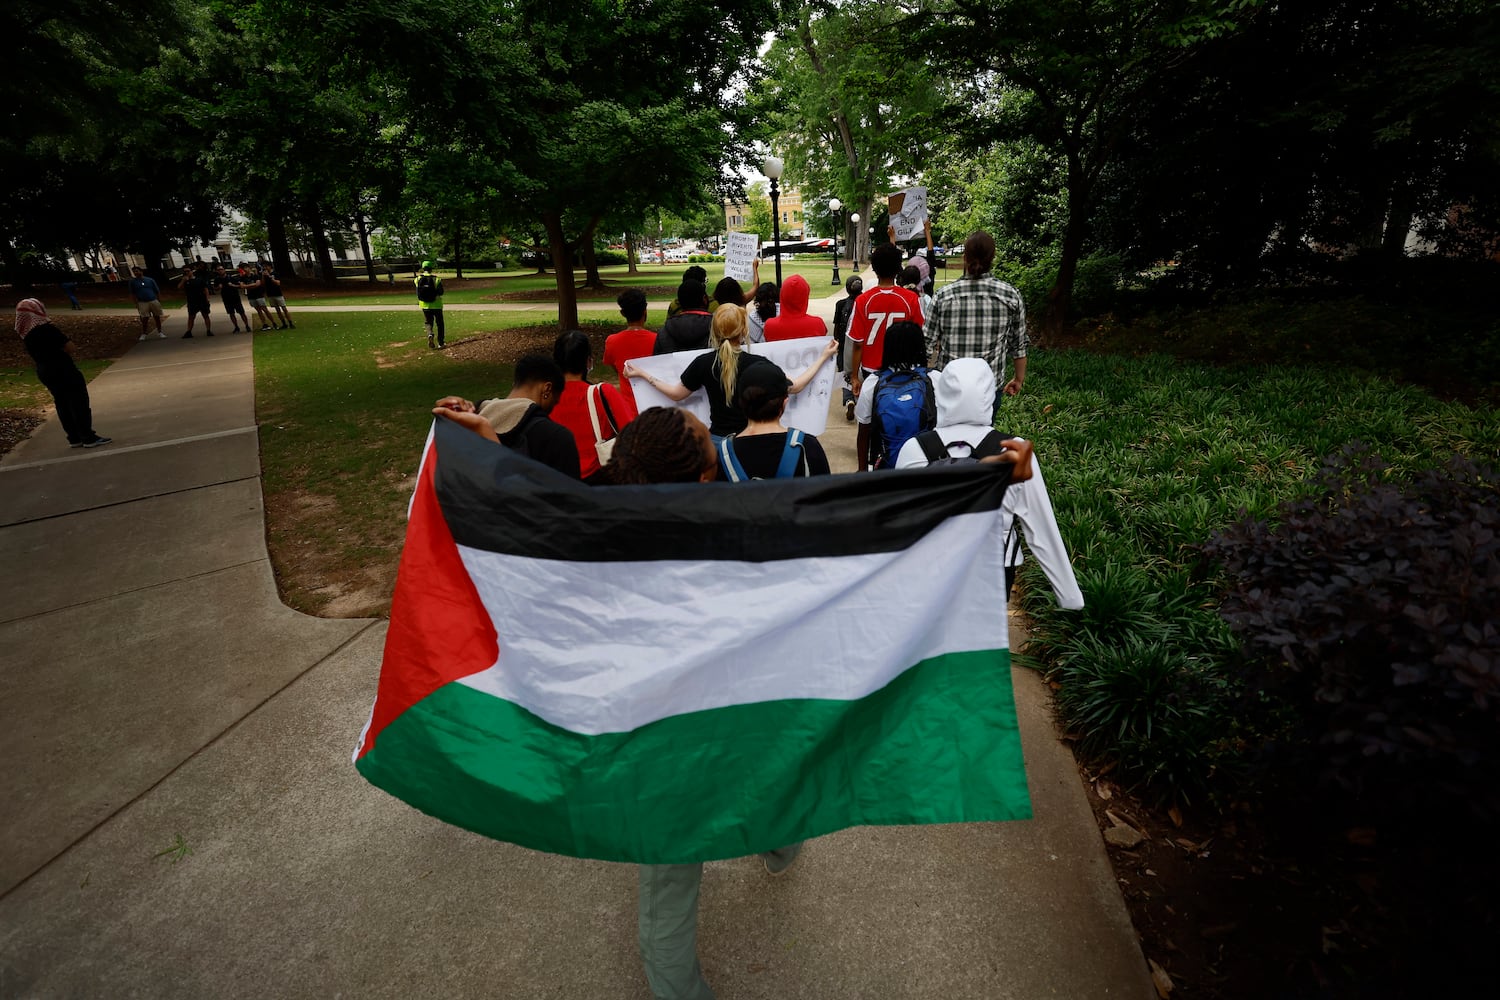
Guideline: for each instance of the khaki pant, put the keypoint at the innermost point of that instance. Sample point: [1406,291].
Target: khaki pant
[669,925]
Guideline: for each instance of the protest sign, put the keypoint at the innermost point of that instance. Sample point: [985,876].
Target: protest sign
[807,411]
[908,211]
[739,256]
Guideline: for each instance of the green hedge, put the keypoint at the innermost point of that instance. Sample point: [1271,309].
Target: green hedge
[1145,459]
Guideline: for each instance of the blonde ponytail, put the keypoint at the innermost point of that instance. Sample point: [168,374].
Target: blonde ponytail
[728,332]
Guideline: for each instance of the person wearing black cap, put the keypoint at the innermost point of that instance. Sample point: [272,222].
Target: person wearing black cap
[765,449]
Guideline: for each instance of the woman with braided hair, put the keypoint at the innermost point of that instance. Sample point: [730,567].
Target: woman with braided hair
[717,371]
[663,445]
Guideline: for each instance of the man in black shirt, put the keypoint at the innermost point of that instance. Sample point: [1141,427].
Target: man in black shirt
[520,420]
[194,284]
[229,293]
[688,330]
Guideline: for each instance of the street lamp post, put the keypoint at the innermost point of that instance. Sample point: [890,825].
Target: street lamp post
[854,244]
[772,169]
[834,205]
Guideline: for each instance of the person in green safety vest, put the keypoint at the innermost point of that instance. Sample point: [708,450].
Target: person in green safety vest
[430,298]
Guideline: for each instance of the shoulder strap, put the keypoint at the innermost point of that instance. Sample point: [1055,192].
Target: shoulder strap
[932,445]
[988,445]
[730,462]
[791,454]
[594,412]
[609,415]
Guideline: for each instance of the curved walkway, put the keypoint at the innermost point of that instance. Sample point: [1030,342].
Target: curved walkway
[181,818]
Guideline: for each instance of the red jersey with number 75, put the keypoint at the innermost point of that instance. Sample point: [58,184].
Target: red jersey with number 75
[874,312]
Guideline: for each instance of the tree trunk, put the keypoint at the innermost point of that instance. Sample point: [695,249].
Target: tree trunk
[541,264]
[154,248]
[320,246]
[567,294]
[364,242]
[281,253]
[458,249]
[1055,315]
[1398,221]
[591,277]
[630,255]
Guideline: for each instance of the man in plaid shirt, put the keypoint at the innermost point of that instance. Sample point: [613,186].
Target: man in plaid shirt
[980,316]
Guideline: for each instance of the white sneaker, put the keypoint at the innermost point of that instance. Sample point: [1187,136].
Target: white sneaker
[143,336]
[159,336]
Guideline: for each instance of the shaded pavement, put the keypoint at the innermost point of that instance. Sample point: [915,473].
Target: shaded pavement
[181,818]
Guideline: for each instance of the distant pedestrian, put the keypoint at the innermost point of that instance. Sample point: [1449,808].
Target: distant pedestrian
[255,290]
[430,300]
[228,283]
[50,348]
[194,284]
[275,297]
[843,310]
[70,290]
[147,295]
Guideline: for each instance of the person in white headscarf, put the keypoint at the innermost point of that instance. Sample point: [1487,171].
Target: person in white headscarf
[965,394]
[50,348]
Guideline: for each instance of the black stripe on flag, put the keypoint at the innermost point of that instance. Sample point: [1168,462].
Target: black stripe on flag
[500,501]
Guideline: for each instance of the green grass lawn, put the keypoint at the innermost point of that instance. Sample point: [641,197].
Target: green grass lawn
[482,286]
[343,407]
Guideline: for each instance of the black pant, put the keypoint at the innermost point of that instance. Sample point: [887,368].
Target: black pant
[430,316]
[70,391]
[232,306]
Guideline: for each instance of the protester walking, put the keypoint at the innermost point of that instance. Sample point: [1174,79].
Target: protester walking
[52,352]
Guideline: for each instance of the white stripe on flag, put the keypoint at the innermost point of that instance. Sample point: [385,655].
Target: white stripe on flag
[605,647]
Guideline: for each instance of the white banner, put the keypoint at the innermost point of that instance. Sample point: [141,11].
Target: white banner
[807,411]
[908,211]
[739,255]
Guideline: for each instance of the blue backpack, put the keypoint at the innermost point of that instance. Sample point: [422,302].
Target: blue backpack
[904,406]
[791,455]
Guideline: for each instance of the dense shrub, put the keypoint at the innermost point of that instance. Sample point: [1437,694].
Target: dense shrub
[1145,459]
[705,258]
[1096,284]
[606,257]
[1369,611]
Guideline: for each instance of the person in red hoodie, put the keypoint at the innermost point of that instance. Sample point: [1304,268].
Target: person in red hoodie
[794,321]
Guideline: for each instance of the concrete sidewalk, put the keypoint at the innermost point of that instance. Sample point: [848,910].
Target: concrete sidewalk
[155,694]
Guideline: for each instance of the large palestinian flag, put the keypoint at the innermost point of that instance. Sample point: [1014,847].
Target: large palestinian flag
[690,672]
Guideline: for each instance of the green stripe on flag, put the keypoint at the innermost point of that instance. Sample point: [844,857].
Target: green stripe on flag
[939,744]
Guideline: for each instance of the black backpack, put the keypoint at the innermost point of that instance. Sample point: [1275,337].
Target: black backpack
[427,288]
[936,451]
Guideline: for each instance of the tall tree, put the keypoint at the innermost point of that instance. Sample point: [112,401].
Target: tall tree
[1090,68]
[69,177]
[1340,125]
[581,109]
[848,101]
